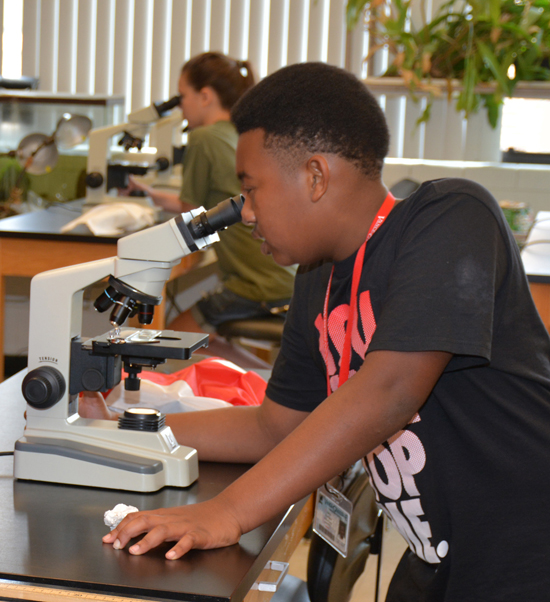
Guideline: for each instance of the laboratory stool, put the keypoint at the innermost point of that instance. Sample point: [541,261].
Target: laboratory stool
[404,188]
[292,589]
[262,335]
[330,577]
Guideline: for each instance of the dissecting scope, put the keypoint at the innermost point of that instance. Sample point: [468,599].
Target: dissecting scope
[160,119]
[139,453]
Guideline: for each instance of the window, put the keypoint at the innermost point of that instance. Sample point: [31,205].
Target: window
[526,125]
[136,48]
[12,39]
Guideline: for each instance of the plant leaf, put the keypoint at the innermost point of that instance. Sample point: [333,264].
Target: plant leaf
[490,59]
[354,10]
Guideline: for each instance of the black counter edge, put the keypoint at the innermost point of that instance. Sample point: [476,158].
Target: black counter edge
[538,279]
[109,590]
[273,543]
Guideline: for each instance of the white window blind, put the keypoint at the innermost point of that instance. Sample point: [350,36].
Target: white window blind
[137,47]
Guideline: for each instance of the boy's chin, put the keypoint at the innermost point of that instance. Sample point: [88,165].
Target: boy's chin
[283,261]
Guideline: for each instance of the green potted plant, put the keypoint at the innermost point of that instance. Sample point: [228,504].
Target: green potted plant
[487,45]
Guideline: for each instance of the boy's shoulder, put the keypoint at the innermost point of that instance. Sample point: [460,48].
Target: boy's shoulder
[446,192]
[445,187]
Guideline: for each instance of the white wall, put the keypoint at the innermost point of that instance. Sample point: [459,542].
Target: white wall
[506,181]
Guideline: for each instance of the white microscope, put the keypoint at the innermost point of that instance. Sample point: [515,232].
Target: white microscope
[139,453]
[158,119]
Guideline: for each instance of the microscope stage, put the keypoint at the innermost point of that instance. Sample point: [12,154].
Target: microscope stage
[167,344]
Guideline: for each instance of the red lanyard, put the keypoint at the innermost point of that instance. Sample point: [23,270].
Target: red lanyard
[385,209]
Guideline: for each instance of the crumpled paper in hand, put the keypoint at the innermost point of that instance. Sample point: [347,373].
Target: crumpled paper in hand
[114,516]
[114,219]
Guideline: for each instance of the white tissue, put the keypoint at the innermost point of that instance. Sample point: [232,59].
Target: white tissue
[114,516]
[114,219]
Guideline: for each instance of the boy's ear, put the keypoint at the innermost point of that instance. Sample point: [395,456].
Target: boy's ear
[318,173]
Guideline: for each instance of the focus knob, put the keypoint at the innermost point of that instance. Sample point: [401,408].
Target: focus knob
[43,387]
[162,164]
[94,179]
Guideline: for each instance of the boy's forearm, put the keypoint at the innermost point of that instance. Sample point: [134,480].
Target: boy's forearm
[352,422]
[370,407]
[223,435]
[294,469]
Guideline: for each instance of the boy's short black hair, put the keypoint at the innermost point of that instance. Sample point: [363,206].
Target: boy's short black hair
[316,107]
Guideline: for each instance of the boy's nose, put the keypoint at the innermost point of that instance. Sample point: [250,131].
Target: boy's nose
[247,214]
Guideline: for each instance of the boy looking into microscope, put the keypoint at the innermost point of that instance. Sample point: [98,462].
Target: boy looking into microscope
[412,341]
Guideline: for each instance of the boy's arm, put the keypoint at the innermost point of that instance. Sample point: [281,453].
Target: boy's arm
[379,400]
[235,434]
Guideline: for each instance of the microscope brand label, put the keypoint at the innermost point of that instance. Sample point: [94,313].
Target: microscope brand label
[169,438]
[47,358]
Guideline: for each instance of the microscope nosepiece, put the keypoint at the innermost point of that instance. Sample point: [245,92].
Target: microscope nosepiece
[127,302]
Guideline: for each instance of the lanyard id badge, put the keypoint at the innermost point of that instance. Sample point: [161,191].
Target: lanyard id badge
[333,510]
[345,359]
[332,518]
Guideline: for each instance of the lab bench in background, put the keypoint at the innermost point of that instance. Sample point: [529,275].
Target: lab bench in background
[32,243]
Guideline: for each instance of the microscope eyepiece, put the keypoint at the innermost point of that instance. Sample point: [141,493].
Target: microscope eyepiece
[221,216]
[163,107]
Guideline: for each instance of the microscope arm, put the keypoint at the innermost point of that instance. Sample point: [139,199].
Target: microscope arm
[96,168]
[137,126]
[137,276]
[161,137]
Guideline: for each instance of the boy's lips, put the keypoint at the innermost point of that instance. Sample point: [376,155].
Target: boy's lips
[258,236]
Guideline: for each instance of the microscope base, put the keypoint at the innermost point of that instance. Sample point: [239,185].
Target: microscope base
[93,464]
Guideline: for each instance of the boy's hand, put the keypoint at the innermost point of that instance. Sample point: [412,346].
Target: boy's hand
[201,526]
[92,405]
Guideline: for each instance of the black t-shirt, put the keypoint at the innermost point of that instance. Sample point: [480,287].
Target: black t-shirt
[467,482]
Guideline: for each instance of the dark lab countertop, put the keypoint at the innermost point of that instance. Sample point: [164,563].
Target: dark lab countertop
[46,224]
[51,534]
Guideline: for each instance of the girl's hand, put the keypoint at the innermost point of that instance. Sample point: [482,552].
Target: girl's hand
[134,185]
[201,526]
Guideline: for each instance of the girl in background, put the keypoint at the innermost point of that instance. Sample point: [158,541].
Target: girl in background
[251,283]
